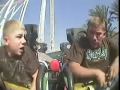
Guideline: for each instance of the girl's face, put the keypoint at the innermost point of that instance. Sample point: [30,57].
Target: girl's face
[16,42]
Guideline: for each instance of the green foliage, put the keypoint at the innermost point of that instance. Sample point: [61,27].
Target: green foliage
[115,10]
[100,11]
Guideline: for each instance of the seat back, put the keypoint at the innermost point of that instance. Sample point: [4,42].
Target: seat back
[74,34]
[32,35]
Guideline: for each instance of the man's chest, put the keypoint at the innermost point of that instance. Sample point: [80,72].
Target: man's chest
[97,54]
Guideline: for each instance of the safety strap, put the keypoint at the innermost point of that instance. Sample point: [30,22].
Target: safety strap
[11,86]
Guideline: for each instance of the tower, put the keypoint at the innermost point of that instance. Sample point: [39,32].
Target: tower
[41,31]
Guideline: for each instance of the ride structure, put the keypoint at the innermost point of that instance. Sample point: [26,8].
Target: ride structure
[41,31]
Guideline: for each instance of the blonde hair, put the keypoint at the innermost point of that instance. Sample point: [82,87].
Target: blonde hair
[96,22]
[11,26]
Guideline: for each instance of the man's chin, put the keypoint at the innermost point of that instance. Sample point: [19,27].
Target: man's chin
[95,46]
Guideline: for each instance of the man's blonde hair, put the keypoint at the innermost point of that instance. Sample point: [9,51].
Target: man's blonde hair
[96,22]
[11,26]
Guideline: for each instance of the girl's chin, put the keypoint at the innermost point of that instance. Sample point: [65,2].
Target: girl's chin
[20,53]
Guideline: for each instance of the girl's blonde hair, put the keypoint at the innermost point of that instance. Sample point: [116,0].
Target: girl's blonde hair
[11,26]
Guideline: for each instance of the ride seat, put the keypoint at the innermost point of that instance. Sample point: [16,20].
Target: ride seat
[73,34]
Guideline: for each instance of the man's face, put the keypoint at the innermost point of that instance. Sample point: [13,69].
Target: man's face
[95,36]
[16,42]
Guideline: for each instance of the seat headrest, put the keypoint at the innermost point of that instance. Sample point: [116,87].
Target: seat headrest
[74,34]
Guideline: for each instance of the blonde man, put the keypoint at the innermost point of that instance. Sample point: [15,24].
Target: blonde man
[18,64]
[92,57]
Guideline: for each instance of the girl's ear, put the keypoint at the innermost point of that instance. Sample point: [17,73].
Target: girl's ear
[6,40]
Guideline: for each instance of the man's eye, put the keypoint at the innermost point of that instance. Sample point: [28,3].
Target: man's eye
[98,34]
[91,33]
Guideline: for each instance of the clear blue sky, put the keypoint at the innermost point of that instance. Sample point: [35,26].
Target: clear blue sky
[68,14]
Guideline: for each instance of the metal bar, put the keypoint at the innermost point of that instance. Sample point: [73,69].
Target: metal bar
[42,22]
[15,11]
[3,21]
[52,25]
[23,10]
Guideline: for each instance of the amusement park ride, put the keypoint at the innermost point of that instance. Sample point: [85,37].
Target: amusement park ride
[10,8]
[55,74]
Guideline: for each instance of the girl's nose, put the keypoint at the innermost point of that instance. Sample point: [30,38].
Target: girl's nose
[23,40]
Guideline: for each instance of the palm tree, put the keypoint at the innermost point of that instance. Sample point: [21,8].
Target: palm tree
[100,11]
[103,13]
[115,10]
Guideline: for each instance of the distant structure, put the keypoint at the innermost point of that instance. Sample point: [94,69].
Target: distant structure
[41,34]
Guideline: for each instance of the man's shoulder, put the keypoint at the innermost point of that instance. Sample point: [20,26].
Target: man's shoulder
[108,41]
[83,42]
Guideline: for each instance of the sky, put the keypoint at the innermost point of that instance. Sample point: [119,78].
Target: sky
[68,14]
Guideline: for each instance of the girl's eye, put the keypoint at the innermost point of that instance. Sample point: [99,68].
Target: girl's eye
[19,36]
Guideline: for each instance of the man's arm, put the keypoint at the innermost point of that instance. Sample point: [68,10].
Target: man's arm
[114,69]
[114,57]
[83,72]
[33,86]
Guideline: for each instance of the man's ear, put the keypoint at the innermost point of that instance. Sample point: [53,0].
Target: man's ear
[105,35]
